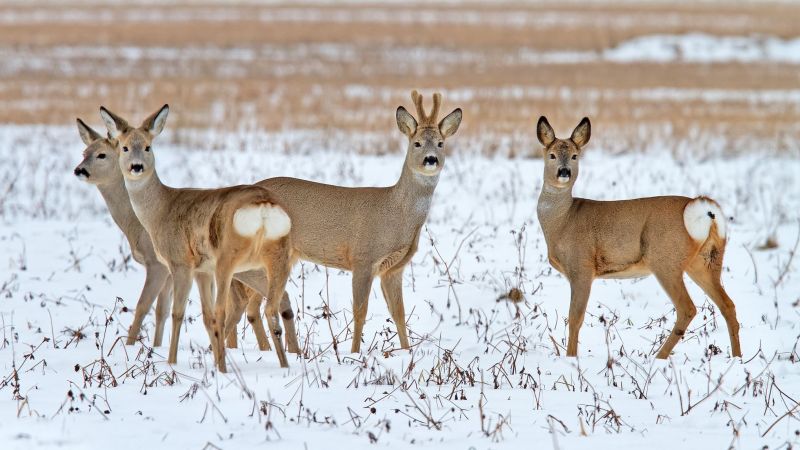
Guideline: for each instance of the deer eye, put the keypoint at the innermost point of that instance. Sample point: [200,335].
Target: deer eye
[147,149]
[552,155]
[441,144]
[101,156]
[574,157]
[417,144]
[124,149]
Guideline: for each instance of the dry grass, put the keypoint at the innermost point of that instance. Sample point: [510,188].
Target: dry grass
[347,67]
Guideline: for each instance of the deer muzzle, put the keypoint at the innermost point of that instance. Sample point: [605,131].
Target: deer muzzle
[430,160]
[80,172]
[564,174]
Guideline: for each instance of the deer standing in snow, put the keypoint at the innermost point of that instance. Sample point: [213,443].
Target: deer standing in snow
[100,168]
[371,231]
[211,234]
[663,236]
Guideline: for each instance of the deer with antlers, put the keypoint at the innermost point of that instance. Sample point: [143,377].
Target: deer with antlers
[210,234]
[100,168]
[663,236]
[372,231]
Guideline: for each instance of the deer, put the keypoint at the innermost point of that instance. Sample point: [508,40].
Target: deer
[664,236]
[207,234]
[100,168]
[372,231]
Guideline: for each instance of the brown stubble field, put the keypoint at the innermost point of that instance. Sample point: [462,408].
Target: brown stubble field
[344,69]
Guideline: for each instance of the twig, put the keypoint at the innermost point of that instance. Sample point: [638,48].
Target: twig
[450,279]
[555,345]
[791,257]
[787,413]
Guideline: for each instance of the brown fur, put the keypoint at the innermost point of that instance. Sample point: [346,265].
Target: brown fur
[371,231]
[588,239]
[100,161]
[180,223]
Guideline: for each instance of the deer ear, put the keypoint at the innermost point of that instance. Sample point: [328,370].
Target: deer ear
[449,125]
[406,122]
[88,135]
[115,124]
[582,133]
[545,132]
[155,123]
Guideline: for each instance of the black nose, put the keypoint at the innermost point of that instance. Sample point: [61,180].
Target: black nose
[81,171]
[430,161]
[564,172]
[137,168]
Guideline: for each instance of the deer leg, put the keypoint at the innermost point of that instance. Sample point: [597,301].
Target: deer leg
[287,314]
[257,281]
[222,324]
[278,267]
[181,284]
[362,282]
[239,298]
[162,310]
[205,286]
[154,280]
[392,287]
[254,319]
[672,282]
[709,280]
[580,287]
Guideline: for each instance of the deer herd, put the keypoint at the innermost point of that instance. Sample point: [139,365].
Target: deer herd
[239,243]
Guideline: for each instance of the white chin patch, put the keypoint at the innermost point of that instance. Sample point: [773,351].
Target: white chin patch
[563,180]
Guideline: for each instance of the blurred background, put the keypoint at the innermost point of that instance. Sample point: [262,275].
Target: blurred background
[702,78]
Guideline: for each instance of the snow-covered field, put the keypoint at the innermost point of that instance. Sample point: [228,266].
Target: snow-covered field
[483,372]
[281,60]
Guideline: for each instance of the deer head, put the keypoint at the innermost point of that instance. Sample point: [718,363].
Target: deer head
[136,158]
[561,156]
[425,155]
[99,165]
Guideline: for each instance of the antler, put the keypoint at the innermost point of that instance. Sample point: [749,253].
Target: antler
[416,97]
[427,119]
[437,102]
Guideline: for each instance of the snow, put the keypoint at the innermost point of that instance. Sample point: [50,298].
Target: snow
[66,273]
[509,17]
[306,58]
[704,48]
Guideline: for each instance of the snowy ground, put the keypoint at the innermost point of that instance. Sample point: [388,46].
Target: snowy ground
[482,374]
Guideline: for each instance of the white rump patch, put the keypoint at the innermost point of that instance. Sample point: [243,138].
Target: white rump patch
[273,219]
[698,216]
[277,221]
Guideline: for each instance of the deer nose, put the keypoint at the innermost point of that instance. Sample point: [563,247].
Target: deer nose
[564,172]
[81,171]
[137,168]
[430,160]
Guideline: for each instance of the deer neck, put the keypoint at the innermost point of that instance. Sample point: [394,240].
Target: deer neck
[119,205]
[413,193]
[553,207]
[148,197]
